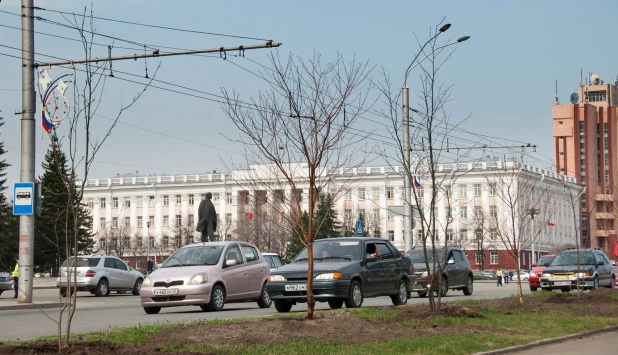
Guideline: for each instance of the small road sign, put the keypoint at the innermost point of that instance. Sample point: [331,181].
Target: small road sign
[23,198]
[360,227]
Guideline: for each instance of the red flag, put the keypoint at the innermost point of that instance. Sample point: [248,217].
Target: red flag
[550,224]
[616,248]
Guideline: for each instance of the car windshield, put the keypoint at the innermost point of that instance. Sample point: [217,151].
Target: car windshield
[571,258]
[199,255]
[545,260]
[81,262]
[333,251]
[419,257]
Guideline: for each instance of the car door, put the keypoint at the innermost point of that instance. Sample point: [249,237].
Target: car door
[388,268]
[605,271]
[461,267]
[256,268]
[111,271]
[372,270]
[125,278]
[452,270]
[236,276]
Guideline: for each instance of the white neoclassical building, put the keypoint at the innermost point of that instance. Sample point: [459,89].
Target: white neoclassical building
[150,210]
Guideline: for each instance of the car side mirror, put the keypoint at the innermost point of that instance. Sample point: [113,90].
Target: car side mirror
[451,261]
[370,259]
[230,262]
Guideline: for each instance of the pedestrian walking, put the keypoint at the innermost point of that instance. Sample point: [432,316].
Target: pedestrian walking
[511,275]
[505,274]
[499,277]
[15,275]
[149,266]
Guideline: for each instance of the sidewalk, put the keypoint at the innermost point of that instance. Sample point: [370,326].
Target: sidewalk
[7,303]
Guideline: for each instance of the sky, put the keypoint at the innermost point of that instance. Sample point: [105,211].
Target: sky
[503,79]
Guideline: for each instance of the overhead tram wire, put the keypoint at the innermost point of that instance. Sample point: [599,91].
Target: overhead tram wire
[153,26]
[256,108]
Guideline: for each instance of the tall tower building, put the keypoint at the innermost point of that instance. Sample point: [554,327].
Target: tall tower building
[586,146]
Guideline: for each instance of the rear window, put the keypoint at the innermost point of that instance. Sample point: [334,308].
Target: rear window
[81,262]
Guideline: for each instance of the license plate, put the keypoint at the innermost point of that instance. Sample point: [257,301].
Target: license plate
[166,292]
[296,287]
[561,283]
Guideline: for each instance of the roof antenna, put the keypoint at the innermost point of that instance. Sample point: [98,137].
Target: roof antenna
[581,77]
[146,63]
[557,102]
[109,51]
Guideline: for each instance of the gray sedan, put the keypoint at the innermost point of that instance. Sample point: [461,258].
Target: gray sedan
[5,283]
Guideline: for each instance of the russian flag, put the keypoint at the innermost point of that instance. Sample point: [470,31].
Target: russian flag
[47,124]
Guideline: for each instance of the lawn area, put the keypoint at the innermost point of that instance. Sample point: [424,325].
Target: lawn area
[462,327]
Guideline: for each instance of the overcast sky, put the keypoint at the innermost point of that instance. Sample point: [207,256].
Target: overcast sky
[503,78]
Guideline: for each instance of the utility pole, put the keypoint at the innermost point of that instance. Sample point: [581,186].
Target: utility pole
[28,97]
[407,188]
[532,212]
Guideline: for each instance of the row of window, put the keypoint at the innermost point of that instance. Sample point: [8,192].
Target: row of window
[139,201]
[463,213]
[390,192]
[190,221]
[480,235]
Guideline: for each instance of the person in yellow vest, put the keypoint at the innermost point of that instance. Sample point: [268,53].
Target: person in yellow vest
[15,274]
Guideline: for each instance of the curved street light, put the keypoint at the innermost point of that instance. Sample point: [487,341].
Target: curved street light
[405,101]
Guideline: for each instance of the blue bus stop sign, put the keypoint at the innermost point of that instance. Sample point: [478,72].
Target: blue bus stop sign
[23,198]
[360,227]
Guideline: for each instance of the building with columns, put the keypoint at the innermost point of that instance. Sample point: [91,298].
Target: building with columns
[150,215]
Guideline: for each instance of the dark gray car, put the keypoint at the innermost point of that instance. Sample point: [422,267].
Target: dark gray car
[586,268]
[346,270]
[456,272]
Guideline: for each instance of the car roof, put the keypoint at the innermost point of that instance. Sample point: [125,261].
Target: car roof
[270,254]
[350,238]
[218,244]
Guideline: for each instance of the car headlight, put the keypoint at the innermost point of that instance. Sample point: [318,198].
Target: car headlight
[583,274]
[329,276]
[198,279]
[146,282]
[276,278]
[546,275]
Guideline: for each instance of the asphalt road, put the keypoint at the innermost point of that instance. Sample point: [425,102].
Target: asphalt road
[103,313]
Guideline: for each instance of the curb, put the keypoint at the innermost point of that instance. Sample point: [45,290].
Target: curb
[549,341]
[43,305]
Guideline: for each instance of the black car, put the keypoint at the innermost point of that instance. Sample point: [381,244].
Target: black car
[591,267]
[456,272]
[345,271]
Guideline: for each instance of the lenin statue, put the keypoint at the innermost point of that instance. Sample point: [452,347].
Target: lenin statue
[207,219]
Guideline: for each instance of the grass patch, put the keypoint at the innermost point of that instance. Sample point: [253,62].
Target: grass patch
[538,294]
[454,344]
[614,297]
[574,306]
[373,314]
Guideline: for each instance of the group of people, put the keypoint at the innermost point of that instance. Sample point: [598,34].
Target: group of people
[502,274]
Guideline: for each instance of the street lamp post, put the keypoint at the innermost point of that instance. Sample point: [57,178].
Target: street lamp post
[405,103]
[532,212]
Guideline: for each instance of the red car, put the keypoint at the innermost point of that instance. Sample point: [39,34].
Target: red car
[537,270]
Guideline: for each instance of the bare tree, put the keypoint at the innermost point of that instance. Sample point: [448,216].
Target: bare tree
[430,143]
[183,233]
[522,200]
[83,146]
[300,131]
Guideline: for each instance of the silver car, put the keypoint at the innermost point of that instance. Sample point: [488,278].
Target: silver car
[5,283]
[208,275]
[99,274]
[273,260]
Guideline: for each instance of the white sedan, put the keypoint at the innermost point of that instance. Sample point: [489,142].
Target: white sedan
[524,275]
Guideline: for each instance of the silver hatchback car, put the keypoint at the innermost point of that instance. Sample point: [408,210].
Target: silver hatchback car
[100,274]
[208,275]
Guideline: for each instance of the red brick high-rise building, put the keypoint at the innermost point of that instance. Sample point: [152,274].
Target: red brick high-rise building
[586,147]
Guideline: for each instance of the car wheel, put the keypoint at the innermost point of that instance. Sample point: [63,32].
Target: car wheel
[102,288]
[121,292]
[444,287]
[612,284]
[283,306]
[217,299]
[401,298]
[137,287]
[152,310]
[264,301]
[335,304]
[355,295]
[422,294]
[525,279]
[533,289]
[469,287]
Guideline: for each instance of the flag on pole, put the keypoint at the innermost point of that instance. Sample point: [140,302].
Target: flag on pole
[616,248]
[550,224]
